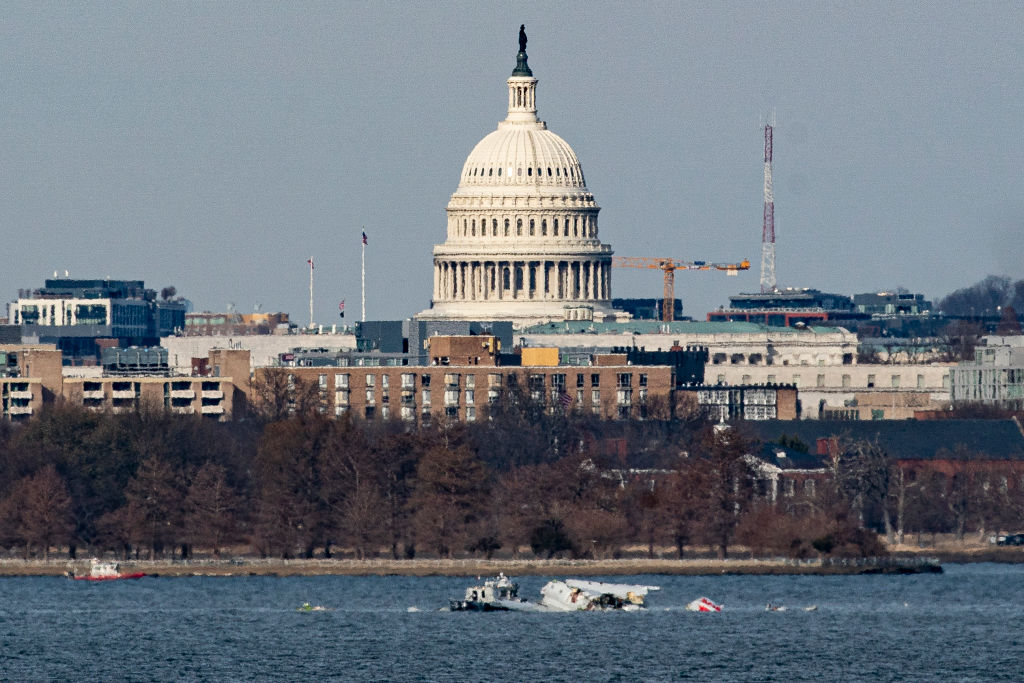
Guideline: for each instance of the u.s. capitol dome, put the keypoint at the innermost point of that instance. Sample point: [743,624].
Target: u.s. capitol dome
[522,239]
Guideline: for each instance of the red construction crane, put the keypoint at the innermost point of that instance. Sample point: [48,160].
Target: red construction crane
[669,266]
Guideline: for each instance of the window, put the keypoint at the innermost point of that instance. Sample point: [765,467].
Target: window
[425,400]
[920,381]
[371,380]
[531,227]
[494,380]
[871,381]
[370,396]
[408,413]
[408,380]
[623,379]
[595,380]
[595,397]
[558,381]
[425,380]
[470,396]
[470,413]
[385,412]
[770,379]
[820,381]
[341,381]
[895,381]
[470,381]
[451,379]
[624,397]
[846,380]
[579,380]
[451,397]
[643,379]
[322,382]
[385,381]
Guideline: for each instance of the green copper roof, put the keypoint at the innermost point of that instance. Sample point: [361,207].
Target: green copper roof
[522,68]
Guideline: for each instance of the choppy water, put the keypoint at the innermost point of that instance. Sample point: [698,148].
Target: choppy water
[965,624]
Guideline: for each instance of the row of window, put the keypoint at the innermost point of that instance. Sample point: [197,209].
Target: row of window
[557,172]
[585,226]
[846,381]
[452,379]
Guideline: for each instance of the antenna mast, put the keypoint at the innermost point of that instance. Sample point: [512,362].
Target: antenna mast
[768,229]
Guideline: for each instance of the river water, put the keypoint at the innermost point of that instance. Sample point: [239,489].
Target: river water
[966,624]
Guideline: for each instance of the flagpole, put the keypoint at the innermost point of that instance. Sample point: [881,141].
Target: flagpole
[311,292]
[363,276]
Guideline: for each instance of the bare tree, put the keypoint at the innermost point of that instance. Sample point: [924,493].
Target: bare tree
[448,497]
[211,508]
[43,508]
[155,504]
[279,394]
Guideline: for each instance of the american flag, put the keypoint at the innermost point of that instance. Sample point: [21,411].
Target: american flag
[565,399]
[364,237]
[310,262]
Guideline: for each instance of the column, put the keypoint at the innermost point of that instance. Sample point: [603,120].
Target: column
[542,283]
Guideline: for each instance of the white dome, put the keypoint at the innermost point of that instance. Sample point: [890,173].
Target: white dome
[522,239]
[522,154]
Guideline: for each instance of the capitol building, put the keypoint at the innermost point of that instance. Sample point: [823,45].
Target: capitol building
[522,239]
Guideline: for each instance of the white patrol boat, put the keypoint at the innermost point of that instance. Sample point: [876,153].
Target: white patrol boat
[499,594]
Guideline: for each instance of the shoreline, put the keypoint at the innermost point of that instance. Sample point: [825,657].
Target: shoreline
[480,567]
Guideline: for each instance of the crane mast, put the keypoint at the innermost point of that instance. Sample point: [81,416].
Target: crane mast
[669,266]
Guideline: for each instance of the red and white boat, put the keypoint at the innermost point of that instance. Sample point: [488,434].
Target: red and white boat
[106,571]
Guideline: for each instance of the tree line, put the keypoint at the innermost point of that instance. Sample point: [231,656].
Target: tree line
[528,477]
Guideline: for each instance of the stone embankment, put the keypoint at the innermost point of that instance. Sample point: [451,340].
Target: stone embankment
[479,567]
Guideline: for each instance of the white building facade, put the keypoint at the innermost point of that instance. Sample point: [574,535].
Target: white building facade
[522,237]
[995,376]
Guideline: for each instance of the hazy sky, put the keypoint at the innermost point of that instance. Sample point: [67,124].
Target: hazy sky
[216,146]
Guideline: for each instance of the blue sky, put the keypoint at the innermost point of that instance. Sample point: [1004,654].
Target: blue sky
[216,146]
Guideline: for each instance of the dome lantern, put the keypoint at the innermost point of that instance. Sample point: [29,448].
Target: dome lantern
[522,87]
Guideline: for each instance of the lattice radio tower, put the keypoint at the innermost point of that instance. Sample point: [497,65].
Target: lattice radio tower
[768,229]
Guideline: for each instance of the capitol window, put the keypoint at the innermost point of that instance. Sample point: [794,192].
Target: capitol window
[506,227]
[519,227]
[544,228]
[529,171]
[549,171]
[531,227]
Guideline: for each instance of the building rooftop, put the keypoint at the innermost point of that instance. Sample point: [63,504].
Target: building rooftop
[656,327]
